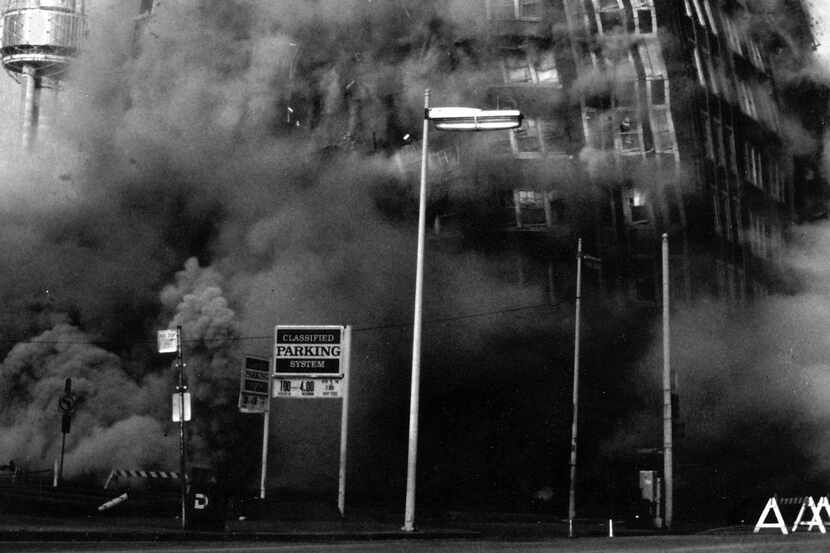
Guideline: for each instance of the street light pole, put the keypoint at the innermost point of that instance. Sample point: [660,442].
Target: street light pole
[575,419]
[412,458]
[668,416]
[447,119]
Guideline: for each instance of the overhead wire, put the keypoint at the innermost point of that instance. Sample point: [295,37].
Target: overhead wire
[355,329]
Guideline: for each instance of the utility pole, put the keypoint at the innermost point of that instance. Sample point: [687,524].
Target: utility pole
[668,460]
[574,426]
[181,389]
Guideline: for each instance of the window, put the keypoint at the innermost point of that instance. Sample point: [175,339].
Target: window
[711,17]
[530,197]
[726,85]
[538,137]
[517,69]
[661,130]
[609,14]
[713,79]
[750,99]
[599,129]
[729,149]
[530,9]
[644,21]
[699,68]
[727,211]
[707,136]
[717,131]
[629,135]
[747,100]
[505,10]
[652,58]
[755,54]
[753,170]
[555,139]
[501,10]
[546,71]
[699,13]
[658,91]
[759,235]
[610,20]
[776,184]
[526,139]
[732,36]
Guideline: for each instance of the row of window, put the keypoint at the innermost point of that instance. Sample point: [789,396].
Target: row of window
[539,66]
[539,137]
[519,66]
[753,101]
[705,17]
[620,131]
[763,172]
[610,16]
[764,239]
[522,10]
[760,170]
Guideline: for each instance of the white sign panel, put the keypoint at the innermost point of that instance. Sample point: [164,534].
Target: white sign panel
[310,351]
[177,407]
[167,341]
[308,387]
[253,390]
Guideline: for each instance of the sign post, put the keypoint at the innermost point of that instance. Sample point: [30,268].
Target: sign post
[255,397]
[313,362]
[170,341]
[344,424]
[67,406]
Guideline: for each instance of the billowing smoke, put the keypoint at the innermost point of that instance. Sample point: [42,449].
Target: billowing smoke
[118,416]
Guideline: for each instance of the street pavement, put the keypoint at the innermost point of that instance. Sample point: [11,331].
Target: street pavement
[457,533]
[745,543]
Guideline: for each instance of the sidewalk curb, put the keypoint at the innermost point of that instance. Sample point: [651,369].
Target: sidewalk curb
[191,535]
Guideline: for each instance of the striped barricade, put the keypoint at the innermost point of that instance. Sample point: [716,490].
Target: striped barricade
[125,473]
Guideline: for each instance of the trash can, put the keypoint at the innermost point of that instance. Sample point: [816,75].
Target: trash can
[206,506]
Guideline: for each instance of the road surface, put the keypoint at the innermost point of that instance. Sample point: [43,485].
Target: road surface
[798,543]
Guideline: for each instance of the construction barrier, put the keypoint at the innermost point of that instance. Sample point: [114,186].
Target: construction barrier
[124,473]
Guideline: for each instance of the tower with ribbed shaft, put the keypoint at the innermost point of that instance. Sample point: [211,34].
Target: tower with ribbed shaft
[39,39]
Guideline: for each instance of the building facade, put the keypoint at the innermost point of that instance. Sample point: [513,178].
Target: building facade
[673,114]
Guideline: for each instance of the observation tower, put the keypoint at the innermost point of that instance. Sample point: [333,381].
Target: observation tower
[39,39]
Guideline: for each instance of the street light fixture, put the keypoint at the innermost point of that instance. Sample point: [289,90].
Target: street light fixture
[448,119]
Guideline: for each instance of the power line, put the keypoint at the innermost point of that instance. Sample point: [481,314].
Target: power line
[447,319]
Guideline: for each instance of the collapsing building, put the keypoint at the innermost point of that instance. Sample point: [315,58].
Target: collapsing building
[641,117]
[677,116]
